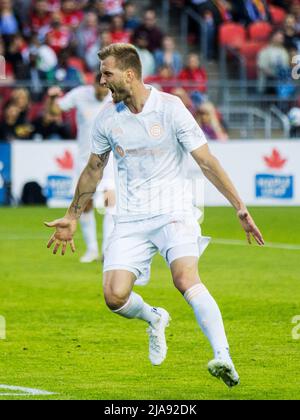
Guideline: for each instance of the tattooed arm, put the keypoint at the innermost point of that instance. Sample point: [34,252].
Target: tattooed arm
[87,184]
[86,187]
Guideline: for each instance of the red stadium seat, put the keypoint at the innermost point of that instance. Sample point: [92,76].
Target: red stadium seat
[77,63]
[260,31]
[89,78]
[249,52]
[278,15]
[232,35]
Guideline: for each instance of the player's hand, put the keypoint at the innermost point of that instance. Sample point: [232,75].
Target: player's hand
[55,91]
[250,227]
[109,198]
[65,229]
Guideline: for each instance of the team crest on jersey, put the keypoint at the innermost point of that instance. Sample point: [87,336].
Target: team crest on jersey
[156,131]
[120,151]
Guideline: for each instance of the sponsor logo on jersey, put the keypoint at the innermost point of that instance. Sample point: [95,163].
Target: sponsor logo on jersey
[274,185]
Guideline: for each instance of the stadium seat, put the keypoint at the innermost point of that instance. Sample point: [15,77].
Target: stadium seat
[89,78]
[77,63]
[278,15]
[260,31]
[248,52]
[232,35]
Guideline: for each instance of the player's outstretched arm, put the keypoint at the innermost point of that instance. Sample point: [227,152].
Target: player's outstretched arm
[219,178]
[65,228]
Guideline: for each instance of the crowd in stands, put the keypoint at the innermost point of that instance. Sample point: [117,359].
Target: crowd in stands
[50,42]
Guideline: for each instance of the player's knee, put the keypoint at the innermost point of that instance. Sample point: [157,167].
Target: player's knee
[184,280]
[115,297]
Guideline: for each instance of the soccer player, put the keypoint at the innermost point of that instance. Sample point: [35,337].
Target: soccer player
[150,134]
[88,101]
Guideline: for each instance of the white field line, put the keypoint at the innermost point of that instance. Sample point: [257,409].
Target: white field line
[21,391]
[217,241]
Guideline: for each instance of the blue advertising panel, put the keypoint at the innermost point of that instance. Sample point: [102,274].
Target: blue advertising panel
[5,173]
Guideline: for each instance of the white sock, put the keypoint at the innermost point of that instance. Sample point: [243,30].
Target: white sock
[89,230]
[108,227]
[137,308]
[209,319]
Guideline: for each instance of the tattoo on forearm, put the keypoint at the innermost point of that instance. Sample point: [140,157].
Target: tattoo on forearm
[76,205]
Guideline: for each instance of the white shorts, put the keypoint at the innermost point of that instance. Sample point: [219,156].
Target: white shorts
[132,245]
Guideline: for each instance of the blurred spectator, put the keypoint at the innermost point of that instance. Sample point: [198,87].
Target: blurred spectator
[249,11]
[219,10]
[193,76]
[272,60]
[9,72]
[103,17]
[91,56]
[291,37]
[11,128]
[50,126]
[164,79]
[59,36]
[209,121]
[40,18]
[118,31]
[130,15]
[46,58]
[147,59]
[21,98]
[295,10]
[71,16]
[34,76]
[64,73]
[87,34]
[14,55]
[113,7]
[168,55]
[150,30]
[54,5]
[9,24]
[183,95]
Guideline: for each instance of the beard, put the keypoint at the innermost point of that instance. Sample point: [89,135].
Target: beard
[119,94]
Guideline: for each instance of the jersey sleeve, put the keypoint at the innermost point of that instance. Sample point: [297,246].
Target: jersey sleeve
[69,101]
[99,140]
[188,131]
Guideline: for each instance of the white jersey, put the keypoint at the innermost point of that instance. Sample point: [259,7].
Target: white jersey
[87,106]
[150,151]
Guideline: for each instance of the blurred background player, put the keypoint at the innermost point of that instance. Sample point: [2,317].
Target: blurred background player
[88,102]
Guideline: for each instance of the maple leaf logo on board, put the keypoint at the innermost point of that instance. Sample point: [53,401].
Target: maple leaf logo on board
[66,162]
[275,161]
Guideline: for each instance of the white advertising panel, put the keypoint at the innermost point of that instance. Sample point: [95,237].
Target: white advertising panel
[265,173]
[50,164]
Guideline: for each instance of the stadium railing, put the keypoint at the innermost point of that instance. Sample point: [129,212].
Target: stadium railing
[246,113]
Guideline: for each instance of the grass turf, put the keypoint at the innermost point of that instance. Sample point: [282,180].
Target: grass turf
[61,338]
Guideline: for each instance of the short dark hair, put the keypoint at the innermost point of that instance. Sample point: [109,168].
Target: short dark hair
[126,56]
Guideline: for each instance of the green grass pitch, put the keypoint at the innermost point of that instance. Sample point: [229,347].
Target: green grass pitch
[61,338]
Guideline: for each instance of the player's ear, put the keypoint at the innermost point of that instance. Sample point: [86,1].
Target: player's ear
[129,75]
